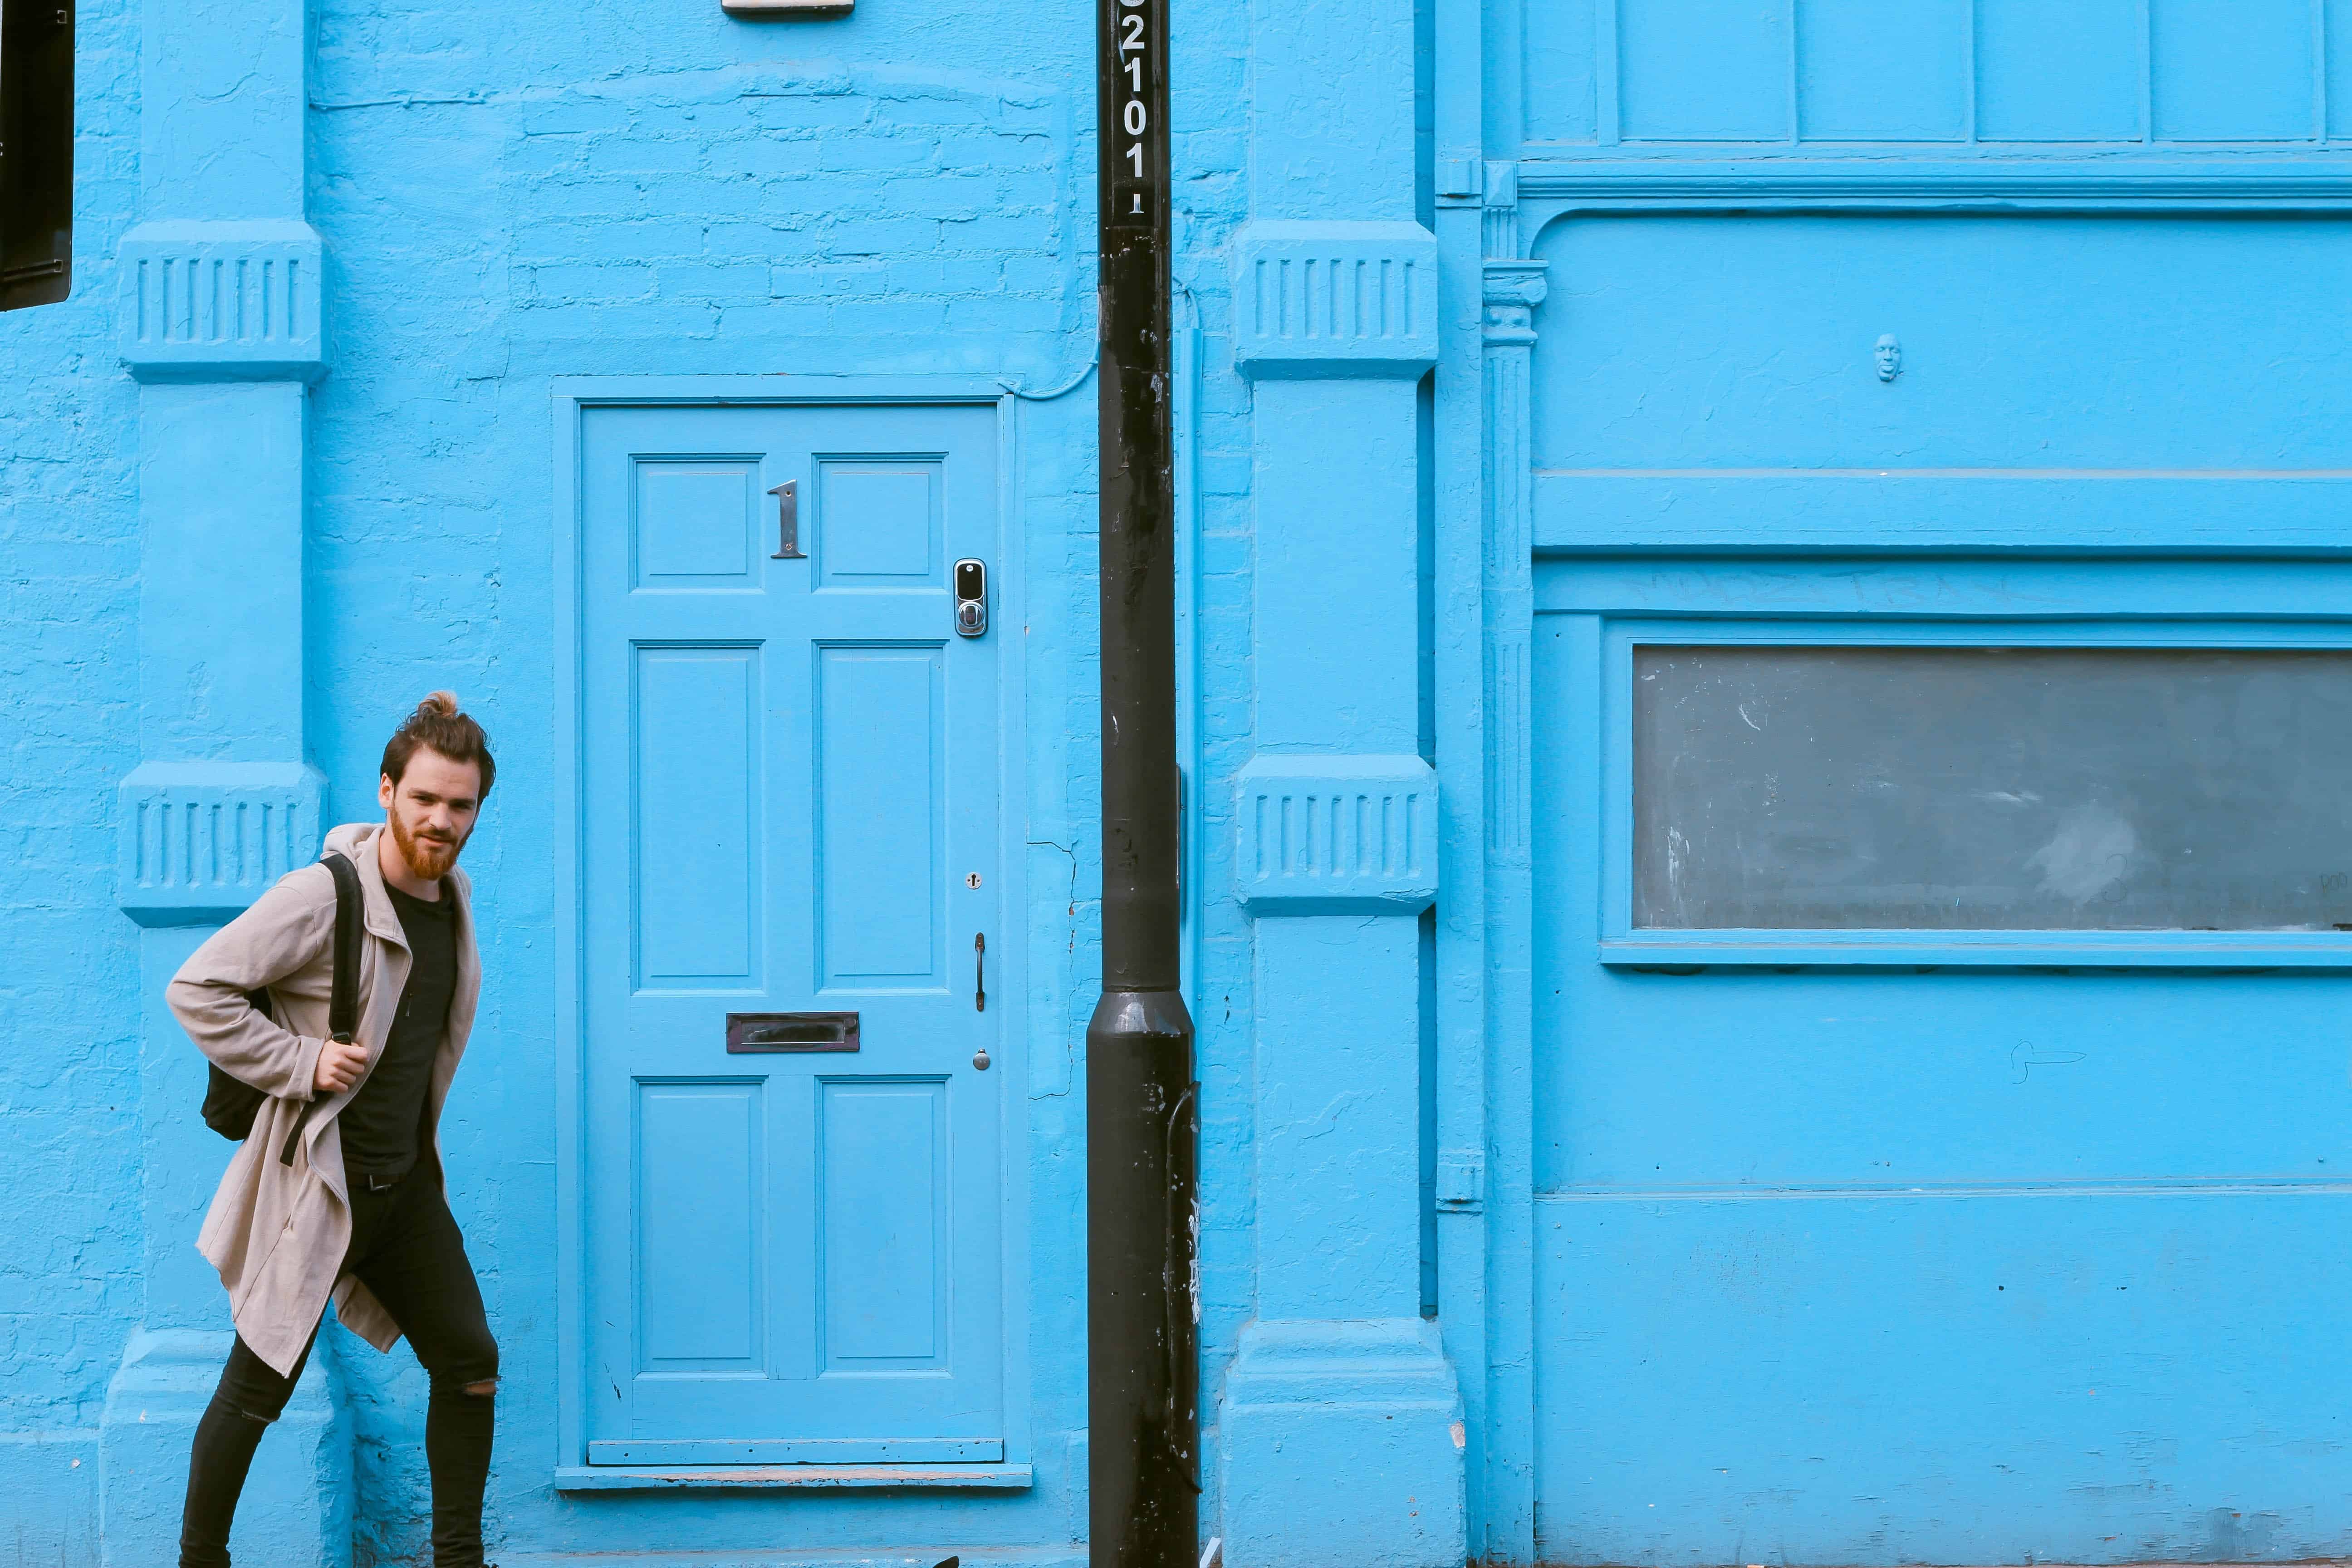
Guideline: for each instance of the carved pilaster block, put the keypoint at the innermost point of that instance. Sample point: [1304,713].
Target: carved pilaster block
[1335,300]
[1327,835]
[197,842]
[222,301]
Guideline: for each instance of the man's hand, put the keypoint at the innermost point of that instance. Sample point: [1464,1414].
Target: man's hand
[339,1066]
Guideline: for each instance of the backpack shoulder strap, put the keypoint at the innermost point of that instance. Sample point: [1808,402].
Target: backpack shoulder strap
[342,1003]
[342,1000]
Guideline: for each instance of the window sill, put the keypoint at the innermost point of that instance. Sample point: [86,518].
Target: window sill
[769,1477]
[1983,950]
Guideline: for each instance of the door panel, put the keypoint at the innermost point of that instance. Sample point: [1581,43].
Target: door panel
[880,770]
[791,764]
[697,711]
[884,1164]
[701,1166]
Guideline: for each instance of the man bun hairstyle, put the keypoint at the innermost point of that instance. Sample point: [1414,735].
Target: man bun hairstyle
[438,725]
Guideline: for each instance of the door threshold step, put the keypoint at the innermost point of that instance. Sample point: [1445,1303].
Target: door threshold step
[755,1477]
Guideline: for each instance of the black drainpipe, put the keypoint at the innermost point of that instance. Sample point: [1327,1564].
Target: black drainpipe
[1142,1115]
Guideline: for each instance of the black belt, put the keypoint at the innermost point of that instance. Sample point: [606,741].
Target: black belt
[371,1181]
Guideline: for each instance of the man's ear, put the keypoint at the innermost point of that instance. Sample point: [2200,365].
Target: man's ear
[384,789]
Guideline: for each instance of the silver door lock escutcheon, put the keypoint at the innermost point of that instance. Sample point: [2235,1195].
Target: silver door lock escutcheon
[971,597]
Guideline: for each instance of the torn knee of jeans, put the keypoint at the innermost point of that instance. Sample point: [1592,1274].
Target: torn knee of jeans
[486,1388]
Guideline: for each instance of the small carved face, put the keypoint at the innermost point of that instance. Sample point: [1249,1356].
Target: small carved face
[1889,354]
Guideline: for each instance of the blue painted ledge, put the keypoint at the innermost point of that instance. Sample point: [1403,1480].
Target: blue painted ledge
[761,1477]
[1983,949]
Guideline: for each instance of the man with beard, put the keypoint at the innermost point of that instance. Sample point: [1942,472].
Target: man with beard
[339,1189]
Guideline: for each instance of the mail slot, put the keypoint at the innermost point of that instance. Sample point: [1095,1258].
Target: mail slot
[750,1033]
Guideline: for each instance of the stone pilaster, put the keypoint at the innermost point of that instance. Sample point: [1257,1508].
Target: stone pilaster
[1341,1419]
[221,323]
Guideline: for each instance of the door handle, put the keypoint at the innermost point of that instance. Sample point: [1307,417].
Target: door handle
[980,991]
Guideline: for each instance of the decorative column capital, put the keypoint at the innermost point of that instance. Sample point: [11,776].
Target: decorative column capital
[227,300]
[1333,300]
[1513,290]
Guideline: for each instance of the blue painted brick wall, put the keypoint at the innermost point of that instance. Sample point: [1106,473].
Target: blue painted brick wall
[70,1250]
[509,194]
[1208,78]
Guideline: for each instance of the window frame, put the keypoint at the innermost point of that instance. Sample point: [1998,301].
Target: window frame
[1622,944]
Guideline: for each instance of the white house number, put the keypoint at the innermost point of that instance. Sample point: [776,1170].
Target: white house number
[1134,117]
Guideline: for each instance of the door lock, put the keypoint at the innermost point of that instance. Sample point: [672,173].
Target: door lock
[971,597]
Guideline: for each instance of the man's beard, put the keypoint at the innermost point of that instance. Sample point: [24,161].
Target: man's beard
[428,861]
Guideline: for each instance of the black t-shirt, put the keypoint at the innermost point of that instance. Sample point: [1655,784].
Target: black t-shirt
[380,1124]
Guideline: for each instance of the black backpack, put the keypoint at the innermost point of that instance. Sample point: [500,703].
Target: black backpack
[230,1102]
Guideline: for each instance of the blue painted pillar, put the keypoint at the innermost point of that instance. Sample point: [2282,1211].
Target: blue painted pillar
[1341,1419]
[220,323]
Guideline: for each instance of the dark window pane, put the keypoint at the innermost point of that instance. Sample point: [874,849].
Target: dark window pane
[1991,788]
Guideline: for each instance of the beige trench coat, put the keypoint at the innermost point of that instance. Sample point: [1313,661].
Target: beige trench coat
[278,1233]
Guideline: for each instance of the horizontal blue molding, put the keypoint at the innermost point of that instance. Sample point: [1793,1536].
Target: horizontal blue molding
[1672,179]
[1752,510]
[222,301]
[2173,1187]
[195,843]
[777,1478]
[1322,834]
[1986,950]
[800,1451]
[2145,601]
[1330,300]
[780,387]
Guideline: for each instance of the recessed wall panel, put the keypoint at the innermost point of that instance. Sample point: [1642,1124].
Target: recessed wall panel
[2339,70]
[1558,36]
[879,792]
[1733,87]
[2026,342]
[699,1175]
[692,522]
[698,865]
[2233,70]
[1867,70]
[884,1166]
[2058,73]
[877,522]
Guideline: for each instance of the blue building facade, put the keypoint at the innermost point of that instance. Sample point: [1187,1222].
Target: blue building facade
[1734,557]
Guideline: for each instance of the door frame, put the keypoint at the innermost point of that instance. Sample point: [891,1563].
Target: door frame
[573,397]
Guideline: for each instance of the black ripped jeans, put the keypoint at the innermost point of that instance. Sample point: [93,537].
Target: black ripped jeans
[405,1248]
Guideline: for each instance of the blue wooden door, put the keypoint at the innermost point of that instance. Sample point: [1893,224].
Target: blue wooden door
[790,856]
